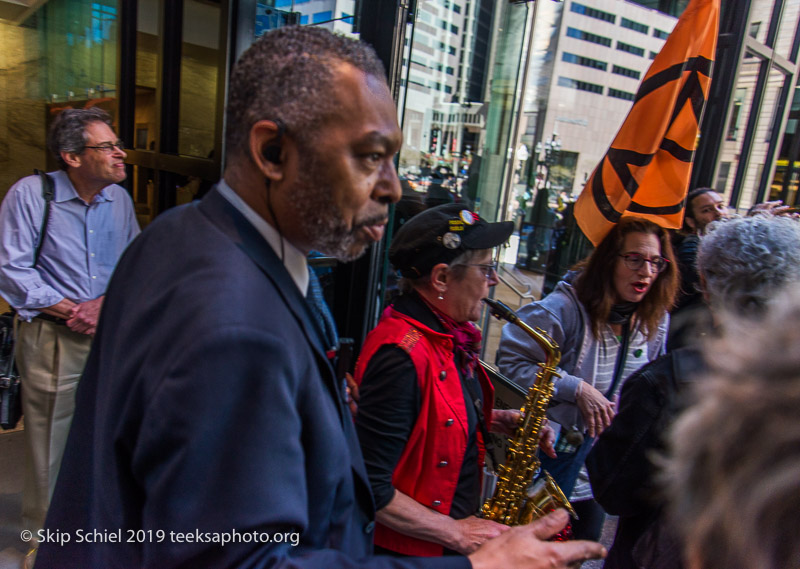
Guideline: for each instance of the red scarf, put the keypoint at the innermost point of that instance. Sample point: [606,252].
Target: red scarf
[466,339]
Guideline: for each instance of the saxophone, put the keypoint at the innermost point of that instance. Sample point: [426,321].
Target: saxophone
[515,501]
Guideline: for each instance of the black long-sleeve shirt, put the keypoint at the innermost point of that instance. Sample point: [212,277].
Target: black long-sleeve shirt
[388,408]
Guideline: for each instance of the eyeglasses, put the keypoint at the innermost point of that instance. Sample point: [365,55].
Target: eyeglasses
[108,147]
[635,261]
[489,270]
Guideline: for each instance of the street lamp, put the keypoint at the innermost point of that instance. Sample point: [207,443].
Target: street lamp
[551,148]
[541,217]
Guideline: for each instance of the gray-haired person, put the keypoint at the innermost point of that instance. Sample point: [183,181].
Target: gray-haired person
[58,298]
[744,263]
[734,475]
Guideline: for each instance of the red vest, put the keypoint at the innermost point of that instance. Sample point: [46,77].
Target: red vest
[429,467]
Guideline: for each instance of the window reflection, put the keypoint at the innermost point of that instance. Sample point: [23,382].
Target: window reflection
[144,179]
[736,111]
[199,69]
[55,54]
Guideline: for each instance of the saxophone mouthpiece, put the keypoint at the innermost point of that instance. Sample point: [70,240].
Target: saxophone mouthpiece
[500,310]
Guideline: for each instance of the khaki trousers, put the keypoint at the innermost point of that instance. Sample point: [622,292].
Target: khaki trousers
[50,359]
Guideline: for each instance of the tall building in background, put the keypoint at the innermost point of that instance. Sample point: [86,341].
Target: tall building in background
[586,65]
[671,7]
[446,66]
[753,158]
[335,15]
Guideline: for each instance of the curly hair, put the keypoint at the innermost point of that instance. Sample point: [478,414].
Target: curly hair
[68,131]
[734,473]
[288,74]
[595,283]
[745,261]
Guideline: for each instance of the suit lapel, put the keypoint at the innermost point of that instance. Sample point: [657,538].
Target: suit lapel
[241,232]
[233,224]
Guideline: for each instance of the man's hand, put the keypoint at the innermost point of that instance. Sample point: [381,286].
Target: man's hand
[60,310]
[474,532]
[597,411]
[775,207]
[523,546]
[505,421]
[83,317]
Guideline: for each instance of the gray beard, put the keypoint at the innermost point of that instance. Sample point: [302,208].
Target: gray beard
[319,218]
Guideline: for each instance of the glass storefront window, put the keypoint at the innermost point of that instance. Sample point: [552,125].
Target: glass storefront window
[789,25]
[199,68]
[147,41]
[459,102]
[63,55]
[738,118]
[80,50]
[336,16]
[148,38]
[787,170]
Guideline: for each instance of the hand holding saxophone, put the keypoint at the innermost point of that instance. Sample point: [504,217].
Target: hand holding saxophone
[525,547]
[505,421]
[473,532]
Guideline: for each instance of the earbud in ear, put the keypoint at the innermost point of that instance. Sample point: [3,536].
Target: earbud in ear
[272,153]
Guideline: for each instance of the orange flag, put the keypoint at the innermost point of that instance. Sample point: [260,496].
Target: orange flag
[646,171]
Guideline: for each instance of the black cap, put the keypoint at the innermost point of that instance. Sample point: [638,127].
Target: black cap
[439,235]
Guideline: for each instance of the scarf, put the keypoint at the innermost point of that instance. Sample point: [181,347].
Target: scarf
[622,312]
[466,339]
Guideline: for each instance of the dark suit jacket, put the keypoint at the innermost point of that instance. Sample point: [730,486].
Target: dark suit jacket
[208,406]
[625,479]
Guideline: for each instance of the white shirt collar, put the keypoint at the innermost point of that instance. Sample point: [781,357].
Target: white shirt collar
[293,259]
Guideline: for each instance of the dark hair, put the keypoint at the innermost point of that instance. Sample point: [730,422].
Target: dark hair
[695,193]
[595,283]
[688,210]
[288,74]
[68,131]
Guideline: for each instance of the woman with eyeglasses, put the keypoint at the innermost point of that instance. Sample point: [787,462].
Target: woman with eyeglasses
[609,316]
[425,404]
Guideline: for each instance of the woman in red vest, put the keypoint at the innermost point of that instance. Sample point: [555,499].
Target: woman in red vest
[426,405]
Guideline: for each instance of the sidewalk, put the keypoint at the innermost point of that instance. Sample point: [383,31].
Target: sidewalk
[12,449]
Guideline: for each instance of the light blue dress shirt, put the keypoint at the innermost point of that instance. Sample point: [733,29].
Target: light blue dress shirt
[81,248]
